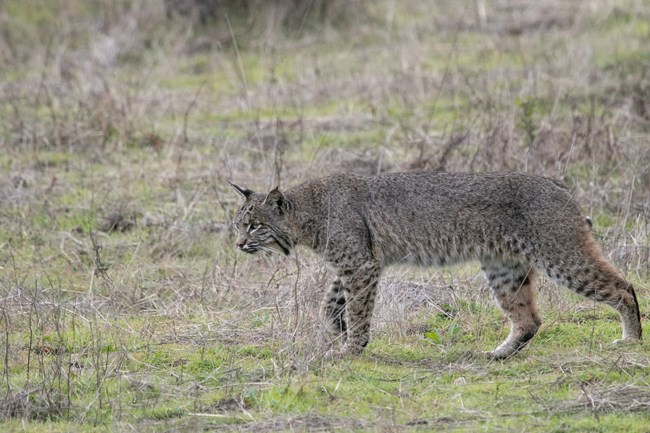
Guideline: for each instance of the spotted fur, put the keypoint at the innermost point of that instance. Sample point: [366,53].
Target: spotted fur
[514,224]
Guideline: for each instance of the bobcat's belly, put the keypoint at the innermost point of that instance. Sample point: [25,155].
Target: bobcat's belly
[422,256]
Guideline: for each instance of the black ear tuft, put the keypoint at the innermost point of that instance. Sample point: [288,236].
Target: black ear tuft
[275,198]
[244,192]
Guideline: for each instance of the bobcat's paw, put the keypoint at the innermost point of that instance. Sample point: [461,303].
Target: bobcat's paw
[624,342]
[332,355]
[504,351]
[347,351]
[350,349]
[495,355]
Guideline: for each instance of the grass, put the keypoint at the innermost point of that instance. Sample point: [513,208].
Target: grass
[123,304]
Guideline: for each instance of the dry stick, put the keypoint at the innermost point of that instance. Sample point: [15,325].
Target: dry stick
[452,144]
[30,346]
[6,320]
[593,328]
[296,304]
[241,73]
[278,151]
[590,125]
[303,18]
[100,268]
[445,74]
[59,350]
[42,87]
[481,14]
[186,115]
[196,197]
[613,365]
[628,205]
[6,358]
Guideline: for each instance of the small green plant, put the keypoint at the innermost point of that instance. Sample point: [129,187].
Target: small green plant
[527,107]
[433,336]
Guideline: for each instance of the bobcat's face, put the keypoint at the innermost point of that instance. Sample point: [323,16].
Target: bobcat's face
[261,223]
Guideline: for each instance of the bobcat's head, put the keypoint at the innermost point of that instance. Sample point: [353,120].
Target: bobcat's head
[261,222]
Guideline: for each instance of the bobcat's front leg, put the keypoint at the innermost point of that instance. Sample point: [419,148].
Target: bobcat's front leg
[332,312]
[360,286]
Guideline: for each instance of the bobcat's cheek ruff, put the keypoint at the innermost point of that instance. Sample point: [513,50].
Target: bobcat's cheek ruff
[249,247]
[278,243]
[268,240]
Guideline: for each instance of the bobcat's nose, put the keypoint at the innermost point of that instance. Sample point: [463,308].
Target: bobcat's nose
[240,243]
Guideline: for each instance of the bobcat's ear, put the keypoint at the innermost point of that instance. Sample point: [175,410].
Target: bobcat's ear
[275,198]
[244,192]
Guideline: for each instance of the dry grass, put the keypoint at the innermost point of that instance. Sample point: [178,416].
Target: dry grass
[123,303]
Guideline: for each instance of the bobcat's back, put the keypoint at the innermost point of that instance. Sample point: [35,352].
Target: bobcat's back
[438,218]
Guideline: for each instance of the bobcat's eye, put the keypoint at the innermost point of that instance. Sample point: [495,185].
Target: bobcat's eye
[252,227]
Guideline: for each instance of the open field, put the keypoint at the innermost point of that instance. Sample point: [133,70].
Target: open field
[124,305]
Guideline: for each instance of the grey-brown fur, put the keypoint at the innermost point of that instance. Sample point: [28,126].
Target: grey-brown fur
[514,224]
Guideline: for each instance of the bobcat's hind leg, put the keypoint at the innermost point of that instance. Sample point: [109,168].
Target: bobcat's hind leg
[613,290]
[512,287]
[333,312]
[628,308]
[589,274]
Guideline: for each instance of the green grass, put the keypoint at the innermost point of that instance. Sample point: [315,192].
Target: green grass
[397,381]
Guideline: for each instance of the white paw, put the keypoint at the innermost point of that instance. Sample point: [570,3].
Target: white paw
[505,350]
[623,342]
[495,355]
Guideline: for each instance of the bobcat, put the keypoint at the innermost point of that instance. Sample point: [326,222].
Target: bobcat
[514,224]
